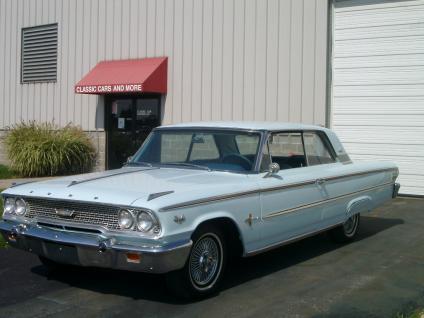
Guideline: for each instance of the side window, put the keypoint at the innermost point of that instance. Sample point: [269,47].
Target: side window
[316,150]
[286,149]
[204,148]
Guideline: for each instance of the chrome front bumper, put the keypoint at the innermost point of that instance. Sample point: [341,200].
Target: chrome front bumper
[96,250]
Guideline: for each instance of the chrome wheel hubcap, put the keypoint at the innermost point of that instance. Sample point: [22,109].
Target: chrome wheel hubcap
[205,261]
[351,224]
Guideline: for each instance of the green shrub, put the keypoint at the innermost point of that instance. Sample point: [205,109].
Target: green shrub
[6,173]
[37,150]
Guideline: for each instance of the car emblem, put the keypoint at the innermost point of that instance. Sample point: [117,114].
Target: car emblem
[65,213]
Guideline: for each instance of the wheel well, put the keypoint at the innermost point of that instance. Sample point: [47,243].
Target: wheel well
[231,232]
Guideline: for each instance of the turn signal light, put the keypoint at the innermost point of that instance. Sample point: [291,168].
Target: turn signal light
[133,258]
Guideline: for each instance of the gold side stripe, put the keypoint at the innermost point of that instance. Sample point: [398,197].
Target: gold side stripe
[256,191]
[316,203]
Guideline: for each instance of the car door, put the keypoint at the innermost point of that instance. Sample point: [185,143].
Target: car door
[321,155]
[289,197]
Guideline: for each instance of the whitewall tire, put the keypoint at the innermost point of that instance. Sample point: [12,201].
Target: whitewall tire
[347,231]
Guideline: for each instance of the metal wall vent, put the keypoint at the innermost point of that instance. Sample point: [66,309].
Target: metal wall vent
[39,54]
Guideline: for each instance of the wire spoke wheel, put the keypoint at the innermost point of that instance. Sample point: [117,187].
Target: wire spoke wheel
[205,261]
[351,225]
[204,268]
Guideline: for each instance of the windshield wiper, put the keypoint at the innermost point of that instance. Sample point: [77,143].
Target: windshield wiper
[139,163]
[185,164]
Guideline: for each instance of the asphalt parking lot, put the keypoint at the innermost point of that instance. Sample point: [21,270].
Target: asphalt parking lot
[379,275]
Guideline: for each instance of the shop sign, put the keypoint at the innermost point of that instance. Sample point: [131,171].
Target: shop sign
[108,89]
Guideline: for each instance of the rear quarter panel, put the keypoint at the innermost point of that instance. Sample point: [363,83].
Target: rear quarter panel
[365,187]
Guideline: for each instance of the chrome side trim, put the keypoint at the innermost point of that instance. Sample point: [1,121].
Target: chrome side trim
[358,174]
[316,203]
[256,191]
[289,241]
[207,200]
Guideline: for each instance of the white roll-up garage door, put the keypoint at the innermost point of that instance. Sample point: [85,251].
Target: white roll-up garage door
[378,84]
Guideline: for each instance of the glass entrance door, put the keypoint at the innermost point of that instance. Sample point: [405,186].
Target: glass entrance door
[129,122]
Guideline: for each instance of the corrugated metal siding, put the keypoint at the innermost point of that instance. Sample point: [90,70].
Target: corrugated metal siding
[378,84]
[232,59]
[39,54]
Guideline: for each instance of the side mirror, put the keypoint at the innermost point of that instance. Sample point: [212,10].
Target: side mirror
[128,160]
[273,168]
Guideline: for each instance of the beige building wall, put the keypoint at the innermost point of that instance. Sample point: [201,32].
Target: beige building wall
[228,59]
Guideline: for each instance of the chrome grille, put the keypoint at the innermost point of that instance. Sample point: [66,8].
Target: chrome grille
[85,213]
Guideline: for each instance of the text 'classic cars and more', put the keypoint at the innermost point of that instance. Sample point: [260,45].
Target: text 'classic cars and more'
[195,194]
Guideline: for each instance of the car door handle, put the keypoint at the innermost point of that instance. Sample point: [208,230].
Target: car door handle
[320,181]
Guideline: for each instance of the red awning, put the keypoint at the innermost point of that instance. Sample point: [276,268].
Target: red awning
[147,75]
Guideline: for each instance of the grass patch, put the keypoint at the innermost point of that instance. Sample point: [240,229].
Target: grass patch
[6,173]
[417,313]
[2,241]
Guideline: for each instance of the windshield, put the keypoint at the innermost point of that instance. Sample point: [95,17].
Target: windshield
[212,150]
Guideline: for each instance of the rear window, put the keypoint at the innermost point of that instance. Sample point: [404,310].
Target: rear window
[316,150]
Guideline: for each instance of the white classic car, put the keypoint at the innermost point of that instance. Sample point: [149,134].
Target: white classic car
[193,195]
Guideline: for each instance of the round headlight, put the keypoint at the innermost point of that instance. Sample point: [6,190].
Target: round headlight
[125,219]
[145,222]
[20,207]
[9,206]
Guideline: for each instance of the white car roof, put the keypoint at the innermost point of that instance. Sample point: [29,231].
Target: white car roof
[249,125]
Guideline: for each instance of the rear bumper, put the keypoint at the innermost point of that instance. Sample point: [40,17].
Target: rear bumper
[396,188]
[96,250]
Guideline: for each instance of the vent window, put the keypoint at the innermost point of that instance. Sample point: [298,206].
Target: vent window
[39,54]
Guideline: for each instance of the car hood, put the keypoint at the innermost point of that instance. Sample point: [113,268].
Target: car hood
[139,186]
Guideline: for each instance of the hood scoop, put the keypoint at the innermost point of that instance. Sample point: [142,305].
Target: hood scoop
[153,196]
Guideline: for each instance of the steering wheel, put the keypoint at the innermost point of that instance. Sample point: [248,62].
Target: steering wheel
[237,159]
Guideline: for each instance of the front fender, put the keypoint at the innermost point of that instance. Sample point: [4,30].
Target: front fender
[193,223]
[211,216]
[186,221]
